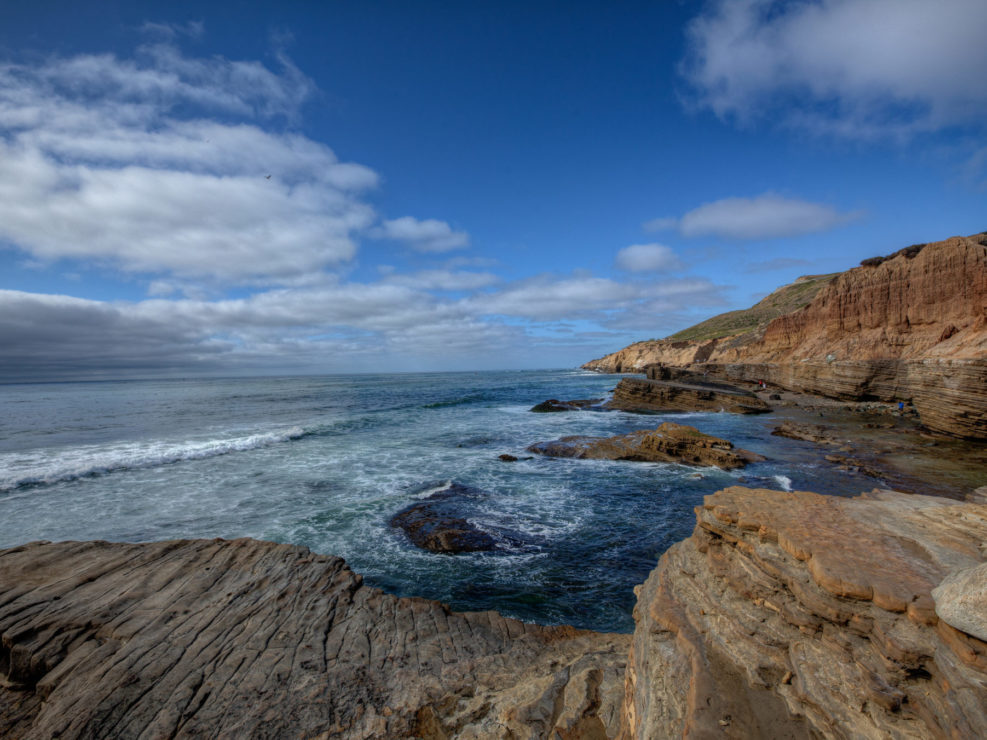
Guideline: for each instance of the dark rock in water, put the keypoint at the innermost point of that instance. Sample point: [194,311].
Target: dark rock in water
[668,443]
[437,524]
[553,405]
[507,458]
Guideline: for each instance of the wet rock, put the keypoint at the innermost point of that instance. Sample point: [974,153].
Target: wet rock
[436,523]
[553,405]
[248,639]
[774,397]
[507,458]
[668,443]
[816,433]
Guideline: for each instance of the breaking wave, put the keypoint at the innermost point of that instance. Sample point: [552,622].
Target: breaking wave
[91,461]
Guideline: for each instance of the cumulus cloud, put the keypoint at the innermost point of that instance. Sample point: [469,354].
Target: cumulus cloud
[428,235]
[767,216]
[114,160]
[850,68]
[647,258]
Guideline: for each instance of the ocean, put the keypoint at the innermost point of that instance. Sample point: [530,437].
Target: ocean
[325,462]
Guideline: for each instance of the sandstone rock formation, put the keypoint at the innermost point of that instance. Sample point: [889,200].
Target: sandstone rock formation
[641,395]
[799,615]
[668,443]
[910,326]
[240,639]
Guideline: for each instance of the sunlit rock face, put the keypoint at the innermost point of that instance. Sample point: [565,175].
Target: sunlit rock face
[911,326]
[799,615]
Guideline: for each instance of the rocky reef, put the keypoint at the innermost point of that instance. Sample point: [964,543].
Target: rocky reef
[783,615]
[670,442]
[642,395]
[909,326]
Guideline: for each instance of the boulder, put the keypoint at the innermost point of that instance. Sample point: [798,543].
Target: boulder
[436,523]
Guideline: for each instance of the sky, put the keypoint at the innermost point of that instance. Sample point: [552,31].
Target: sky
[219,188]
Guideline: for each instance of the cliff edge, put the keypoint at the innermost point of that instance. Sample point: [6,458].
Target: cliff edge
[910,326]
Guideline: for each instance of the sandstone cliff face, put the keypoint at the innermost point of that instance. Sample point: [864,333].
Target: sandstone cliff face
[798,615]
[641,395]
[912,327]
[241,639]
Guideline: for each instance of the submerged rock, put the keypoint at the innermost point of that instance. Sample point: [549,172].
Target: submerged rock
[670,442]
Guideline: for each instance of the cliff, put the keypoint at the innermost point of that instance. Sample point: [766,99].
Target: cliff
[910,326]
[783,615]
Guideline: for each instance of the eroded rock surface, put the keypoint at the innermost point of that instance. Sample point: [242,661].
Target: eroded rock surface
[910,326]
[642,395]
[670,442]
[238,639]
[554,405]
[799,615]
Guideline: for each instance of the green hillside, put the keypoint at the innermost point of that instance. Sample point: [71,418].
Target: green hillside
[783,301]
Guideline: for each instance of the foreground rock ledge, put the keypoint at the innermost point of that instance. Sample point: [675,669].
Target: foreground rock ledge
[245,639]
[784,615]
[799,615]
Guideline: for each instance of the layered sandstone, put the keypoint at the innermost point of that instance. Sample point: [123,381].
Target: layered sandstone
[670,442]
[641,395]
[239,639]
[911,326]
[799,615]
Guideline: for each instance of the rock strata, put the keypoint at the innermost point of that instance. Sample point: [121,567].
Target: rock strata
[240,639]
[799,615]
[668,443]
[910,326]
[641,395]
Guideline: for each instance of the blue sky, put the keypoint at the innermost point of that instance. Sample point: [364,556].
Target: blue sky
[206,188]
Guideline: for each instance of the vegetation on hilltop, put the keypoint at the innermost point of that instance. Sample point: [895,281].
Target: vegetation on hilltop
[783,301]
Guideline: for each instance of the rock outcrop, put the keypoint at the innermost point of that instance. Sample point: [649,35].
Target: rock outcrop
[436,523]
[554,405]
[239,639]
[641,395]
[909,326]
[799,615]
[668,443]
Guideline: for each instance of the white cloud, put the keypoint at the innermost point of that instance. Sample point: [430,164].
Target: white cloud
[767,216]
[96,163]
[660,224]
[449,280]
[429,235]
[853,68]
[647,258]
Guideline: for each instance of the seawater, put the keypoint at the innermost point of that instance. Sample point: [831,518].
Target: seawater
[326,461]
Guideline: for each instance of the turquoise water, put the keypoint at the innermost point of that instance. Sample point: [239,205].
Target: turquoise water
[326,461]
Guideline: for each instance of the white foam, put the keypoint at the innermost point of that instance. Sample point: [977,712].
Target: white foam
[784,481]
[47,466]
